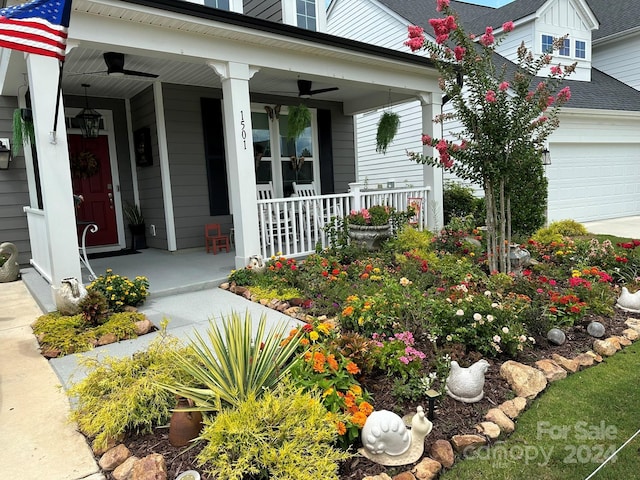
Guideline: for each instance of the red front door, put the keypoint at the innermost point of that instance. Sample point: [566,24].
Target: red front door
[94,183]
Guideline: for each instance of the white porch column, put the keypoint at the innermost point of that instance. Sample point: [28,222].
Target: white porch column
[55,173]
[431,104]
[239,150]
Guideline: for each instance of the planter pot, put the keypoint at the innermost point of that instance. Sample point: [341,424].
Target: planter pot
[10,270]
[370,237]
[138,235]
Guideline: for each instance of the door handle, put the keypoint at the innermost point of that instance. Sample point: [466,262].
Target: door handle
[110,199]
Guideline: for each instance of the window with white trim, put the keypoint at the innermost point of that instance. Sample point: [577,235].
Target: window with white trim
[565,49]
[220,4]
[547,44]
[581,49]
[306,14]
[273,152]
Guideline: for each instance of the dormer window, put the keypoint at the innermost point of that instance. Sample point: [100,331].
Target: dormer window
[547,44]
[581,49]
[565,49]
[306,14]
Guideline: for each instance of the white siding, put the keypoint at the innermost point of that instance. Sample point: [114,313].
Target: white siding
[509,47]
[620,60]
[376,168]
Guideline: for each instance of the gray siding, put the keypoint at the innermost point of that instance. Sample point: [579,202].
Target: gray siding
[14,193]
[267,10]
[187,164]
[149,178]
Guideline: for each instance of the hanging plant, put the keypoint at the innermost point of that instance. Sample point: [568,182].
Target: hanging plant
[299,118]
[22,129]
[84,165]
[387,129]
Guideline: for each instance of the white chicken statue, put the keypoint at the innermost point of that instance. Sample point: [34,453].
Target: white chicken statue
[629,302]
[467,384]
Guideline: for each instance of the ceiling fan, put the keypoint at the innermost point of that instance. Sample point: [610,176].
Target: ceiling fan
[305,91]
[115,67]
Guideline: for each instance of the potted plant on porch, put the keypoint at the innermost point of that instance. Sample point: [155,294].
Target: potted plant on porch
[371,226]
[136,226]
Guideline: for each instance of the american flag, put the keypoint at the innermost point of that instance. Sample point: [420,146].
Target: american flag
[39,27]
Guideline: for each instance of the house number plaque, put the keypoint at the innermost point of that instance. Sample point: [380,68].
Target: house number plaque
[244,130]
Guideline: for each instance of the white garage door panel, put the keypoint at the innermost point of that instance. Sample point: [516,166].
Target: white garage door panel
[594,182]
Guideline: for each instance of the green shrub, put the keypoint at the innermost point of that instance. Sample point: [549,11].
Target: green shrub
[528,197]
[243,277]
[556,231]
[284,434]
[94,307]
[122,395]
[415,241]
[458,200]
[120,291]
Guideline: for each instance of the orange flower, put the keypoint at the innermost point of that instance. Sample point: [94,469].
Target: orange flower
[304,342]
[307,356]
[342,429]
[318,362]
[352,368]
[364,276]
[349,399]
[358,419]
[333,364]
[366,408]
[347,311]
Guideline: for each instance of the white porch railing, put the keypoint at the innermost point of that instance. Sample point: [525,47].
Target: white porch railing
[40,258]
[294,226]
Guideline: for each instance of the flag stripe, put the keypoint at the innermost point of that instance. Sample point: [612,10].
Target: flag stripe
[36,24]
[29,33]
[33,42]
[32,49]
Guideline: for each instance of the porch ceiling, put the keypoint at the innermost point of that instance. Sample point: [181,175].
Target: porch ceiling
[176,46]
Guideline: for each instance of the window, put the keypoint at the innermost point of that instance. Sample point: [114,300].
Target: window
[221,4]
[581,49]
[547,44]
[306,14]
[273,152]
[565,49]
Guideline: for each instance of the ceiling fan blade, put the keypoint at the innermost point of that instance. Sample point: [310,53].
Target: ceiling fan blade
[139,74]
[323,90]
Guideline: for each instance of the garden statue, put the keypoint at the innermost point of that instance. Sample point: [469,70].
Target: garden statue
[389,442]
[467,384]
[68,295]
[257,264]
[629,302]
[9,270]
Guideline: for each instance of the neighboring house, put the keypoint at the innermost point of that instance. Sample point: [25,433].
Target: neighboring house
[187,90]
[595,170]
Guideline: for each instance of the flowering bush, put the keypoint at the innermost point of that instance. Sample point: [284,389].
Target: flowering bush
[397,355]
[504,121]
[376,215]
[120,291]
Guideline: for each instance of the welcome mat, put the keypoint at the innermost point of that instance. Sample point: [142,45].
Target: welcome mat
[117,253]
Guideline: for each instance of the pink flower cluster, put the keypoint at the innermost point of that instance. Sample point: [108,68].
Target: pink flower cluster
[564,95]
[442,27]
[441,5]
[443,150]
[488,38]
[459,52]
[507,27]
[556,70]
[416,38]
[490,96]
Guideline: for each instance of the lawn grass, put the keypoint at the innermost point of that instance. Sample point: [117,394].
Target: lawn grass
[570,429]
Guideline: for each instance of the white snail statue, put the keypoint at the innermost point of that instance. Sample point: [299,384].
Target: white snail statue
[389,442]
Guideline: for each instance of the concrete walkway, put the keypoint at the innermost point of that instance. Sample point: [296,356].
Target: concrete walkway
[621,227]
[37,441]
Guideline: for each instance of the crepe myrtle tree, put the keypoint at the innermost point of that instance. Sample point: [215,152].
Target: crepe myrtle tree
[505,112]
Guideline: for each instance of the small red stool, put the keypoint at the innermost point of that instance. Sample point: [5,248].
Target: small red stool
[214,239]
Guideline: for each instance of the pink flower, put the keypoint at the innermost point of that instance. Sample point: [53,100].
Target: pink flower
[442,4]
[556,70]
[442,146]
[530,96]
[445,160]
[415,43]
[442,27]
[564,95]
[550,100]
[426,139]
[508,26]
[541,86]
[442,38]
[488,38]
[490,96]
[459,52]
[552,282]
[415,31]
[503,86]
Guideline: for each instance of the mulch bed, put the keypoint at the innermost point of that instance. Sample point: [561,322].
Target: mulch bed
[451,417]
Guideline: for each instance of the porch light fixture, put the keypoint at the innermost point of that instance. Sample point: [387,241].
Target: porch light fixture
[5,154]
[89,118]
[546,157]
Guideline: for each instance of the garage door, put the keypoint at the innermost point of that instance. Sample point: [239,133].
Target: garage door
[593,181]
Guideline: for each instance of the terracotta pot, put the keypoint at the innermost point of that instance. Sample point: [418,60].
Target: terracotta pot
[184,426]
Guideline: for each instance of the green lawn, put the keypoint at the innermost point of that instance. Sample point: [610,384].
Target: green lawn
[571,429]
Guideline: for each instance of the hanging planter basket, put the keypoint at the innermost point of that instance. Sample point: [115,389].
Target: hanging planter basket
[23,130]
[387,129]
[84,165]
[298,119]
